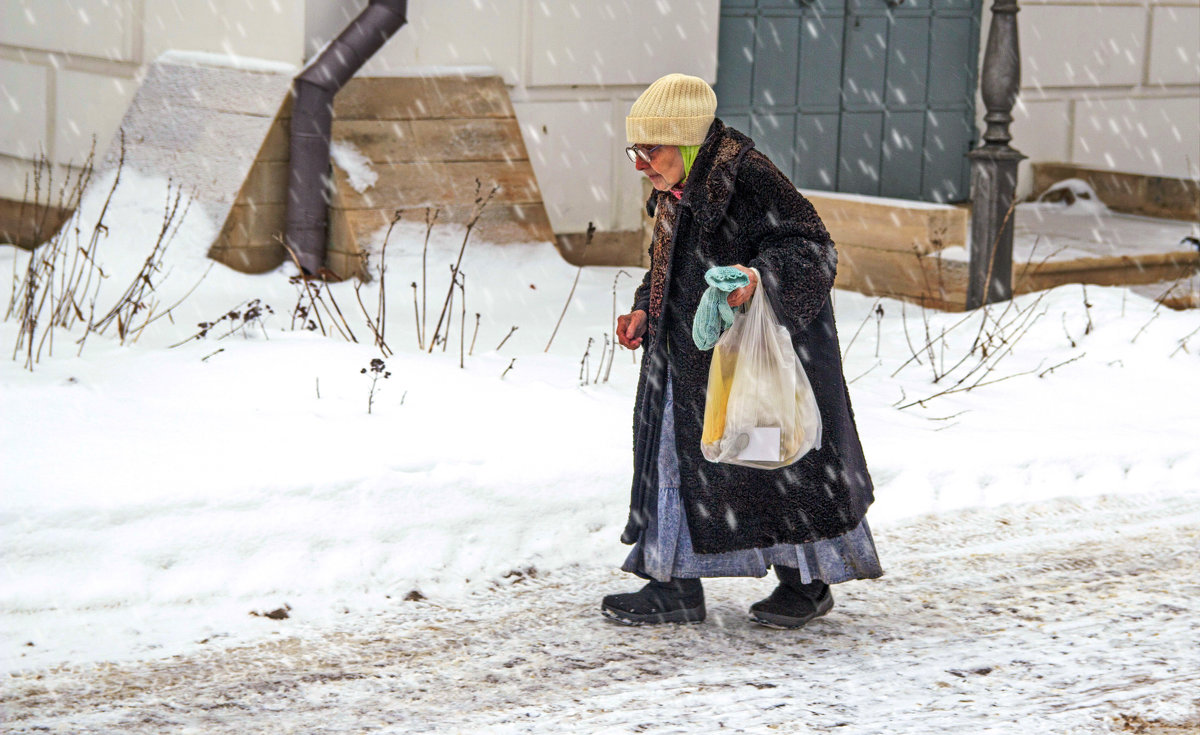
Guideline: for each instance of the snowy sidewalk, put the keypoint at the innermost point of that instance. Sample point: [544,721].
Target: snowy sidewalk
[1067,616]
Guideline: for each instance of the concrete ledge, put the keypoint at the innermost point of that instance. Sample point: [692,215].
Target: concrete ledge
[1152,196]
[622,248]
[890,224]
[28,225]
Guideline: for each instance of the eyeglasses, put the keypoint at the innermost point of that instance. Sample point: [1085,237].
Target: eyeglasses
[635,152]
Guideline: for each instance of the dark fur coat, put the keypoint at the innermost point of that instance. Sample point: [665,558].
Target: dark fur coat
[738,208]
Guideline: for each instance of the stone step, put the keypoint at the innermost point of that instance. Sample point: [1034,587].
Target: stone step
[428,140]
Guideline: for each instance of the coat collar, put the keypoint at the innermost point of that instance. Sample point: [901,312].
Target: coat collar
[711,182]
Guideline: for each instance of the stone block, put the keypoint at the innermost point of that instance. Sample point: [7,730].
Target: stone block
[103,29]
[1153,136]
[621,42]
[1175,46]
[1106,47]
[23,109]
[265,30]
[89,110]
[573,154]
[413,98]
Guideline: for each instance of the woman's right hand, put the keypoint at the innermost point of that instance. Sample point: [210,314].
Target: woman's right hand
[630,329]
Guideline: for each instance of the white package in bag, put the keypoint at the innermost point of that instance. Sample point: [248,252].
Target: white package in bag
[760,410]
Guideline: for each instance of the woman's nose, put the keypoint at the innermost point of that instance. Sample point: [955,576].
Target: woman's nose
[640,165]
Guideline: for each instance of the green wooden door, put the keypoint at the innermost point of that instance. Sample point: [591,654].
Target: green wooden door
[858,96]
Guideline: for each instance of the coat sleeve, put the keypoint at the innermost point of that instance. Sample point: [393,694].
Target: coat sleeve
[641,296]
[795,255]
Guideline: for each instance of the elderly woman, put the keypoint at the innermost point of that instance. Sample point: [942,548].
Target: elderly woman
[720,202]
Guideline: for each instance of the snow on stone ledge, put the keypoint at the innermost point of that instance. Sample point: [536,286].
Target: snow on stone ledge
[357,167]
[1073,196]
[868,199]
[226,61]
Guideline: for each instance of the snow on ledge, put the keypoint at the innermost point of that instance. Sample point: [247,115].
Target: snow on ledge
[225,61]
[434,71]
[357,167]
[881,201]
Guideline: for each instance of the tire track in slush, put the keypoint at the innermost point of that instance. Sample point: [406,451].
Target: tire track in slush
[1070,616]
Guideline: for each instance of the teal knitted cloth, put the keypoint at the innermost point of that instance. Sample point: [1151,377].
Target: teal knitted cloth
[714,315]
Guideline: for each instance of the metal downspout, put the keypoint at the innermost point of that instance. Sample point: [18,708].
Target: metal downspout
[309,180]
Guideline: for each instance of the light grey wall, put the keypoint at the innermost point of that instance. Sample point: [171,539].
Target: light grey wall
[69,68]
[1108,84]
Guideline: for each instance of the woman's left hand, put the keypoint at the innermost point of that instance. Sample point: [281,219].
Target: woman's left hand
[743,294]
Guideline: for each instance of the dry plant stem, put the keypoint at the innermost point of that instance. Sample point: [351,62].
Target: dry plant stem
[381,308]
[183,298]
[585,377]
[865,374]
[450,307]
[878,328]
[510,367]
[591,232]
[1064,326]
[431,216]
[474,336]
[307,288]
[987,281]
[929,342]
[850,344]
[600,365]
[133,299]
[417,317]
[1183,342]
[348,334]
[907,338]
[1087,309]
[1019,325]
[1052,368]
[379,341]
[510,333]
[1029,320]
[1139,332]
[558,324]
[613,353]
[950,391]
[67,306]
[462,321]
[62,256]
[1022,330]
[481,203]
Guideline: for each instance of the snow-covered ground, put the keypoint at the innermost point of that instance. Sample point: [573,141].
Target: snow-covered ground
[153,497]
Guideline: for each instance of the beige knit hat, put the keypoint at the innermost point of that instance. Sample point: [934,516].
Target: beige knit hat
[674,110]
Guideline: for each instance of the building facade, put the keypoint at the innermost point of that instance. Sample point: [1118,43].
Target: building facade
[1107,84]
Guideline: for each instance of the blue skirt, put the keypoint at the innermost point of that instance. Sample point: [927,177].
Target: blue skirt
[664,548]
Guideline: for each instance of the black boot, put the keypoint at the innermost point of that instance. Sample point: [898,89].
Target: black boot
[677,601]
[792,604]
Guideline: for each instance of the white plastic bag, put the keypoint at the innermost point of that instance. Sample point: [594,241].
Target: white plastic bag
[760,410]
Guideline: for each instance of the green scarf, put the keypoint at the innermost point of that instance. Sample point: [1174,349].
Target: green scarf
[689,157]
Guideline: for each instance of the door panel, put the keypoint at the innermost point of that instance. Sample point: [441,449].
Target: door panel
[908,63]
[901,161]
[776,61]
[775,136]
[947,137]
[816,165]
[735,58]
[858,154]
[820,62]
[855,95]
[864,64]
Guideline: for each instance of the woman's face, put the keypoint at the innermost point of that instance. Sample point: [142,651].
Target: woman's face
[665,169]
